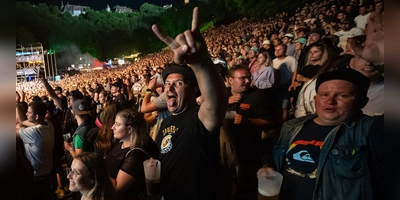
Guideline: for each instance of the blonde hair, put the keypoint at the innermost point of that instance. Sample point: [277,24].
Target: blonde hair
[102,188]
[135,119]
[323,62]
[267,56]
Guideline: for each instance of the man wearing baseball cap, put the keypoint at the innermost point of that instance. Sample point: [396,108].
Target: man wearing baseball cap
[348,30]
[252,56]
[288,41]
[267,46]
[81,110]
[337,144]
[118,97]
[69,123]
[189,138]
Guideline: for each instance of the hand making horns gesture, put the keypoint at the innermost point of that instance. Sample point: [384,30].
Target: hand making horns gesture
[189,47]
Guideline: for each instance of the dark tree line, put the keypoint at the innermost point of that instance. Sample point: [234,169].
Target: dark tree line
[105,34]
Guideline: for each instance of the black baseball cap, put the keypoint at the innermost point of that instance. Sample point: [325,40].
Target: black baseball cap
[185,70]
[347,74]
[117,84]
[76,94]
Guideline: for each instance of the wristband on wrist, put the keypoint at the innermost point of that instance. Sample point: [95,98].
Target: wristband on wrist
[148,91]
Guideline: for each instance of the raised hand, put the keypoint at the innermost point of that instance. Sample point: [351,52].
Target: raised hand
[17,97]
[373,50]
[152,83]
[188,47]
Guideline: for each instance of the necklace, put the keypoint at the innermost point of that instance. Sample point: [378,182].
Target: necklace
[123,145]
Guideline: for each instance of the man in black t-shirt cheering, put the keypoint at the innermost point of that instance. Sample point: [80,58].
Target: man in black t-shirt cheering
[337,153]
[189,138]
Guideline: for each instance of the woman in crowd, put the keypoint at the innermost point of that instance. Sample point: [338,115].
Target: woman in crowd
[89,176]
[318,60]
[104,100]
[105,140]
[95,97]
[144,83]
[95,101]
[125,161]
[264,76]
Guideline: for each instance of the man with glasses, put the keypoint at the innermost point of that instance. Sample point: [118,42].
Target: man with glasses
[249,112]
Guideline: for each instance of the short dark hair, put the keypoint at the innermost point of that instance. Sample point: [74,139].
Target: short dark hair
[284,46]
[37,99]
[76,94]
[236,68]
[58,88]
[38,108]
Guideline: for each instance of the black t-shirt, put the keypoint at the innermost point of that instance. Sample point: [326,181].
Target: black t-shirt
[301,161]
[189,157]
[246,137]
[131,164]
[121,100]
[83,130]
[69,123]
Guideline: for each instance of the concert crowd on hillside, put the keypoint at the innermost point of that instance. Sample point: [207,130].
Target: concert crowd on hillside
[274,75]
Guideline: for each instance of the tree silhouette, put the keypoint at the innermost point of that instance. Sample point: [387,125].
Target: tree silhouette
[111,34]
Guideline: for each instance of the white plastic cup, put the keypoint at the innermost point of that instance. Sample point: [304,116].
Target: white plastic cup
[152,172]
[269,186]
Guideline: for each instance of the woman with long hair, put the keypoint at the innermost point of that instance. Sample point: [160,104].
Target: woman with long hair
[106,113]
[318,61]
[264,75]
[104,100]
[125,161]
[105,140]
[89,176]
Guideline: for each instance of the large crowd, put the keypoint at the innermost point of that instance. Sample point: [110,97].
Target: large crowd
[236,100]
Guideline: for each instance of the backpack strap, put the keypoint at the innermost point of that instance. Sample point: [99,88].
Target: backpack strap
[138,148]
[143,196]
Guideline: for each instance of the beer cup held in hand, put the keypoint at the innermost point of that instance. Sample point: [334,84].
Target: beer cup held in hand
[269,186]
[152,172]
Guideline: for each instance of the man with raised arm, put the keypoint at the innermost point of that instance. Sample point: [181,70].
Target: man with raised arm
[189,138]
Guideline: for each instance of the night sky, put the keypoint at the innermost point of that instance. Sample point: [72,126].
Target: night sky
[102,4]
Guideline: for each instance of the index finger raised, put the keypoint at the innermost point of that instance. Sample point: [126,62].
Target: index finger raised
[165,38]
[195,18]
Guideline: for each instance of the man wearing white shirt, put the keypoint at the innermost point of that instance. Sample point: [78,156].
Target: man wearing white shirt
[286,65]
[362,19]
[376,94]
[348,31]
